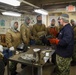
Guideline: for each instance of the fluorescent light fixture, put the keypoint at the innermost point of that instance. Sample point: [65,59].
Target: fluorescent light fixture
[10,13]
[11,2]
[41,11]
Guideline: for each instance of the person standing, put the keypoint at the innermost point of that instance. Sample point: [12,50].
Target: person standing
[39,30]
[64,46]
[25,34]
[12,35]
[25,31]
[53,31]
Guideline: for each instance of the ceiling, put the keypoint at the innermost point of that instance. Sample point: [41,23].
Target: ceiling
[27,6]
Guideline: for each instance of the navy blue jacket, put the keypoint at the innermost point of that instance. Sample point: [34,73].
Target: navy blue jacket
[65,46]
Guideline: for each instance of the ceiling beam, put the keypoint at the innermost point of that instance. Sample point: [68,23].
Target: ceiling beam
[30,3]
[46,2]
[56,6]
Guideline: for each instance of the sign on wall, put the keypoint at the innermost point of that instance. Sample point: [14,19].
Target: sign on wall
[70,8]
[2,22]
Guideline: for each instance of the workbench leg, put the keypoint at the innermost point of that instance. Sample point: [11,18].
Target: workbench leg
[39,70]
[7,67]
[32,70]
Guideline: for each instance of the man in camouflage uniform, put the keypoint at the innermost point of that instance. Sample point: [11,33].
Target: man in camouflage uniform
[64,46]
[13,39]
[39,30]
[73,63]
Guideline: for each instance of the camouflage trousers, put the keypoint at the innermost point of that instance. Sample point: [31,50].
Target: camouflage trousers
[74,53]
[63,65]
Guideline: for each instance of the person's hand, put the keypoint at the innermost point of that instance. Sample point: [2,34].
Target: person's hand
[1,48]
[11,48]
[54,41]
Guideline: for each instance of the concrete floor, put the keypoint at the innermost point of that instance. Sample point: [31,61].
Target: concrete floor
[47,70]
